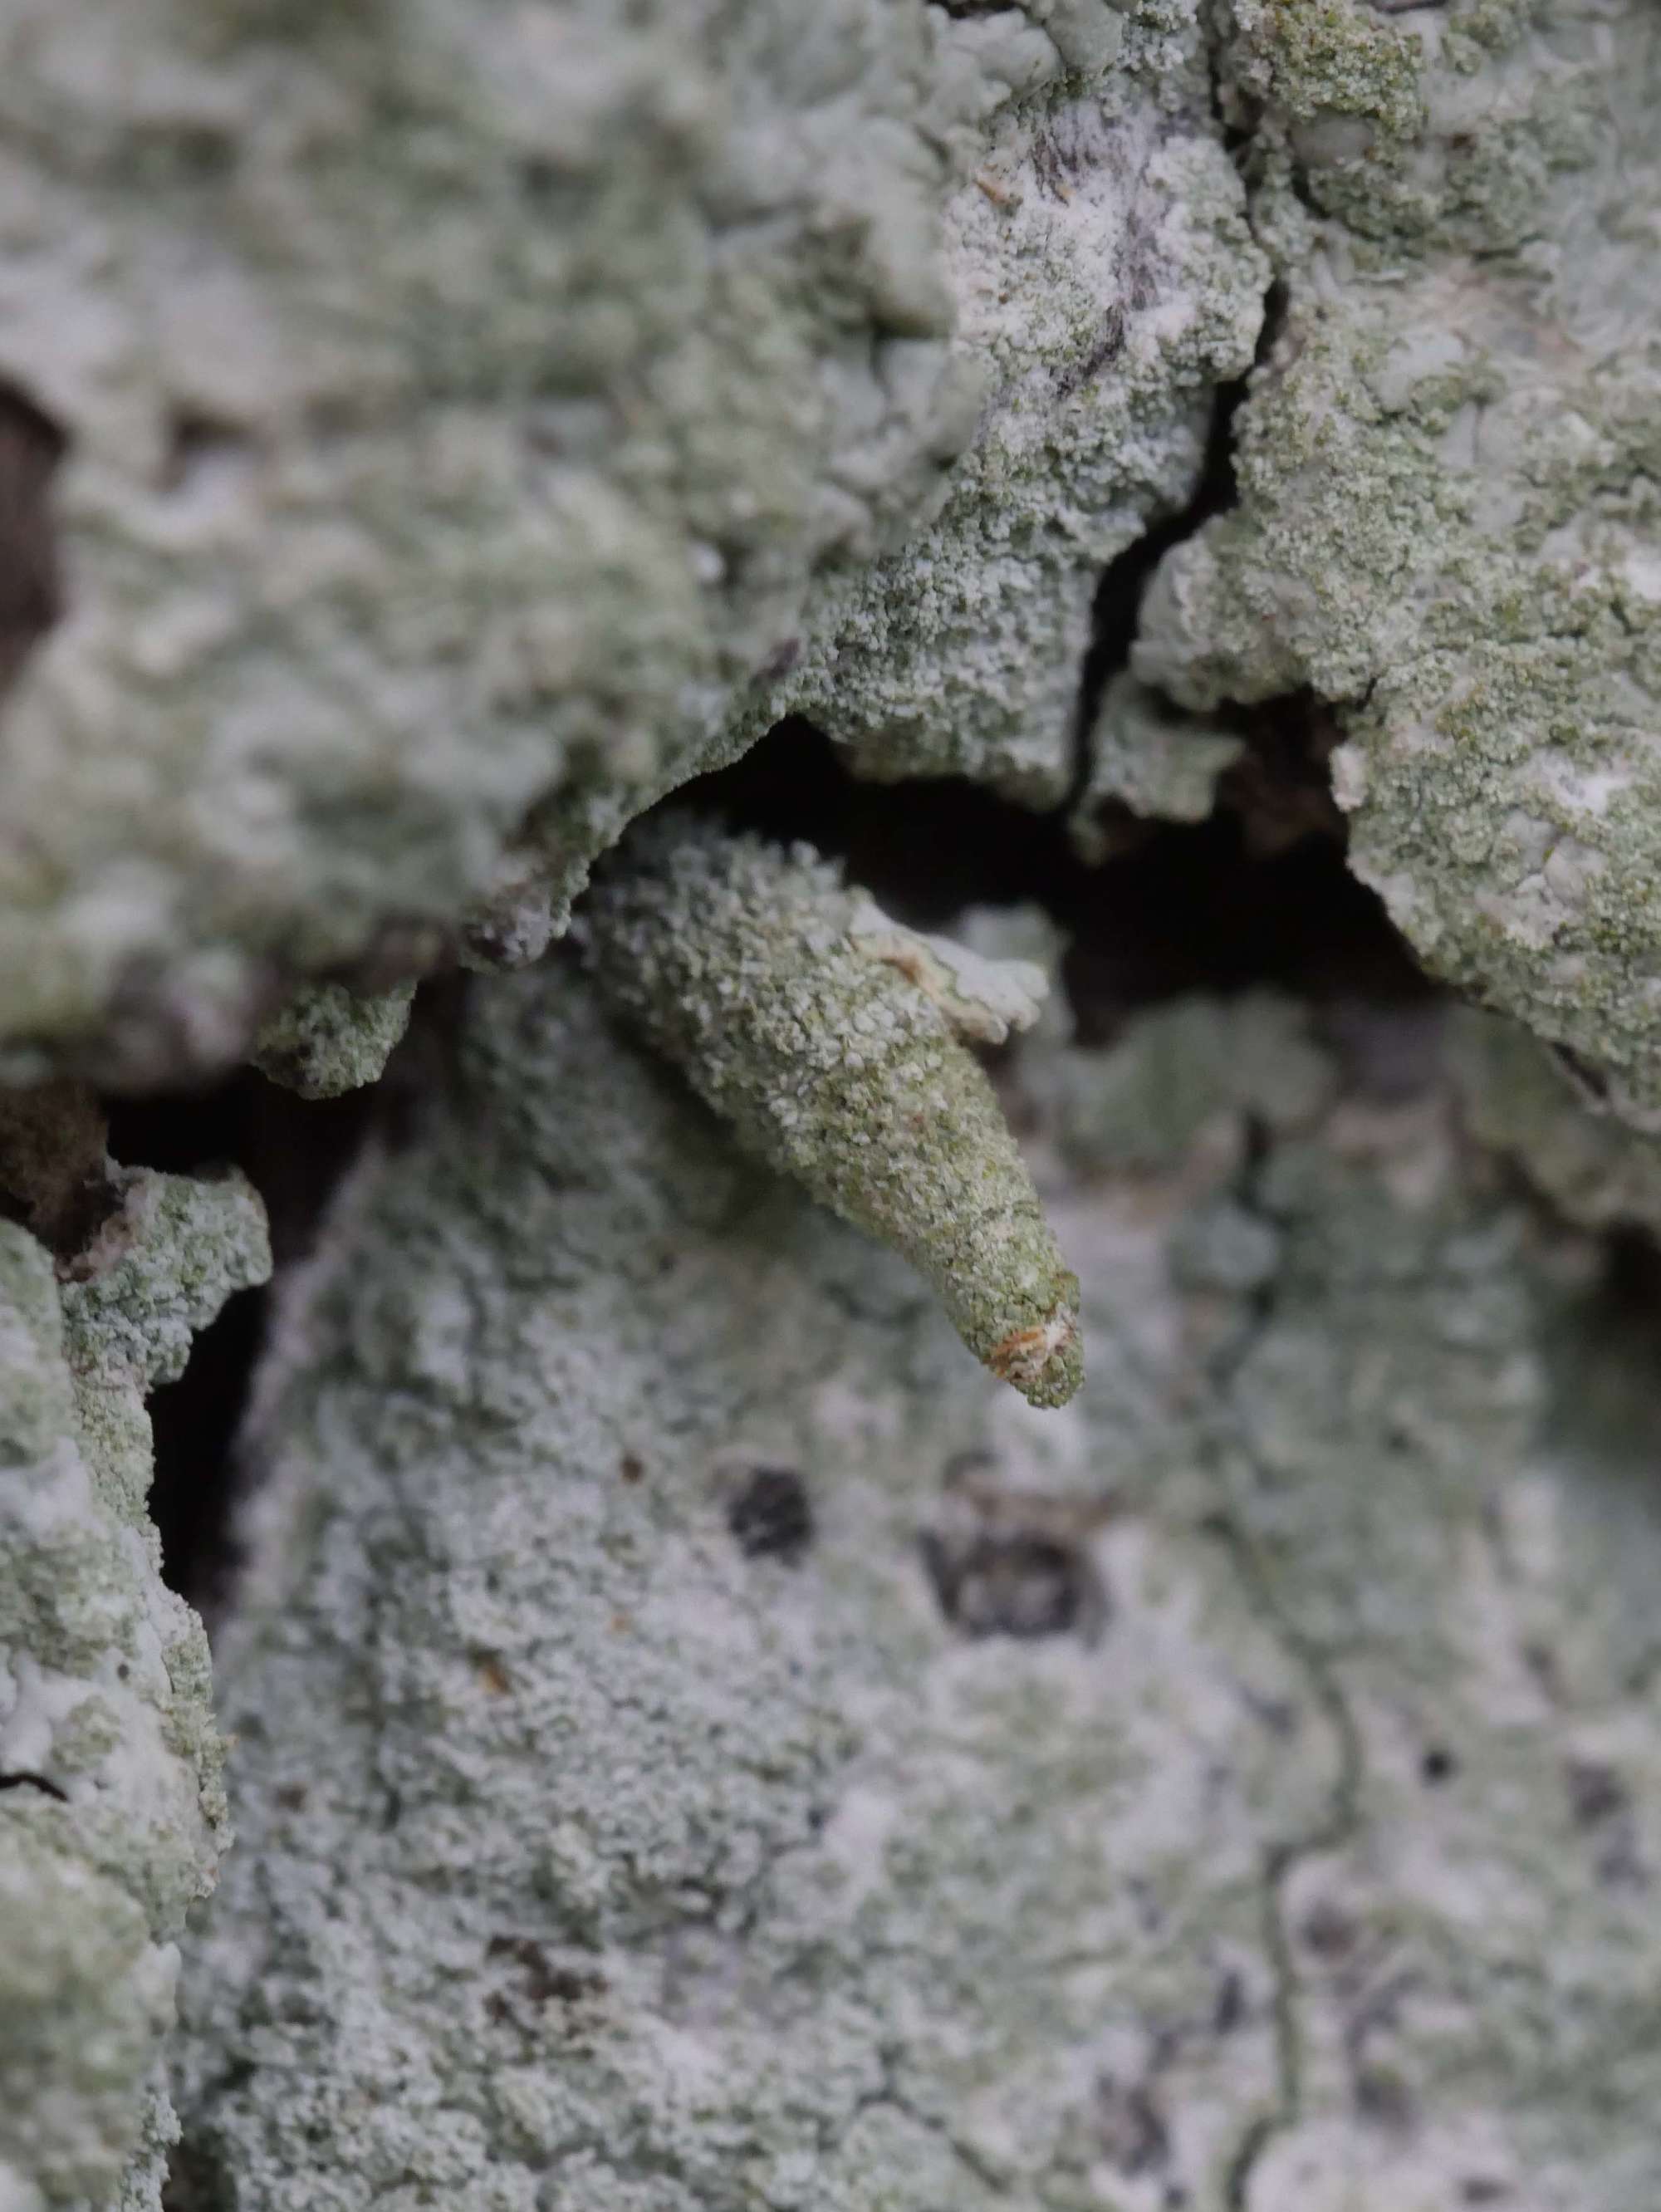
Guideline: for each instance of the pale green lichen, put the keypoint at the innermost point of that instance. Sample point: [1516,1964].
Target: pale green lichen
[1108,284]
[1149,756]
[87,1997]
[827,1040]
[1247,1790]
[329,1040]
[1198,1068]
[1447,473]
[590,1860]
[117,1817]
[459,406]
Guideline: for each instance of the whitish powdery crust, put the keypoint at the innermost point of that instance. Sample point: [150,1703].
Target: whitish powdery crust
[460,400]
[114,1816]
[606,1850]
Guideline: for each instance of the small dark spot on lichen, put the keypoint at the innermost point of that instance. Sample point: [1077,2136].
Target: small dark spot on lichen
[292,1797]
[1542,1662]
[198,444]
[1278,1715]
[1383,2097]
[781,661]
[631,1467]
[1131,2129]
[539,178]
[1108,345]
[772,1516]
[1013,1563]
[545,1982]
[1019,1585]
[1329,1933]
[1596,1792]
[1438,1765]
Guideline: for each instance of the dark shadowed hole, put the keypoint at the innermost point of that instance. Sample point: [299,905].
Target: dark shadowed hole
[1178,906]
[771,1517]
[194,1422]
[1603,1357]
[294,1151]
[31,593]
[199,2178]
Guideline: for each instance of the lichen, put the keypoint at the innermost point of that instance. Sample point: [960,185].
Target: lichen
[458,408]
[1148,755]
[329,1040]
[1245,1791]
[1108,285]
[980,999]
[595,1856]
[1447,472]
[829,1040]
[702,1746]
[1200,1069]
[114,1815]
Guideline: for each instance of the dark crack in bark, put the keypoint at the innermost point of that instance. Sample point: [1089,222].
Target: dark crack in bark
[1337,1827]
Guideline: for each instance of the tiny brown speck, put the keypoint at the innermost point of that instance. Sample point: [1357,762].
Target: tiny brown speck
[494,1676]
[631,1468]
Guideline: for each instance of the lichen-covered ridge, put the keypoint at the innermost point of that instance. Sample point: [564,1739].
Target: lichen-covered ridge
[1447,473]
[112,1816]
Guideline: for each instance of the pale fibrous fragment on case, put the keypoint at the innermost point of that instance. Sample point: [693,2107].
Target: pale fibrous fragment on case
[981,1000]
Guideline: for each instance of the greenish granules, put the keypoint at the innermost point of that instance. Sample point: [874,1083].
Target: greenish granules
[113,1816]
[329,1040]
[829,1038]
[1248,1792]
[1447,469]
[1108,284]
[417,540]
